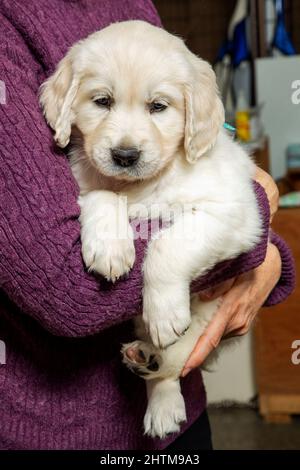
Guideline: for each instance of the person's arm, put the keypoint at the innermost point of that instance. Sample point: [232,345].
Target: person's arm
[243,296]
[287,280]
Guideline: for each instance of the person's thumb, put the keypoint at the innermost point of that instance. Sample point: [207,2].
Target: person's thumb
[206,343]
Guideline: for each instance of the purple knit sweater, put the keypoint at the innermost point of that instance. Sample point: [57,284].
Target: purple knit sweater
[63,385]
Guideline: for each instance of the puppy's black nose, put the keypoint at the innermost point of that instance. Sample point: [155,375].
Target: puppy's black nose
[125,156]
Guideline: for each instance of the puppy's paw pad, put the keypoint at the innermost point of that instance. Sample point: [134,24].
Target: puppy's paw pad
[141,358]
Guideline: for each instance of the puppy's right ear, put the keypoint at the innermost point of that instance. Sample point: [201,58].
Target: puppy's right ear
[56,98]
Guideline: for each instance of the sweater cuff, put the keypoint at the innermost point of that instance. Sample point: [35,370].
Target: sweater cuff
[287,281]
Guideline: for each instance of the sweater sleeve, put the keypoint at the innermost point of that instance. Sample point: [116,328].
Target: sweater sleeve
[287,281]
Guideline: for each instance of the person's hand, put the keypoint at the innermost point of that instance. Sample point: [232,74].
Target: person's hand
[242,299]
[271,189]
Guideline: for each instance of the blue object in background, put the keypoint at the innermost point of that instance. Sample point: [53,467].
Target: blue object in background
[240,50]
[282,40]
[237,48]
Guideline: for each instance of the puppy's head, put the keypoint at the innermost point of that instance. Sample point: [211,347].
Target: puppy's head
[135,94]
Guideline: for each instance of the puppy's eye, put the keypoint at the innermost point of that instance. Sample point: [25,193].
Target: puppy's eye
[103,101]
[157,107]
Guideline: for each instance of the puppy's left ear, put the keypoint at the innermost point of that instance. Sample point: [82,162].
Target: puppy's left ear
[204,109]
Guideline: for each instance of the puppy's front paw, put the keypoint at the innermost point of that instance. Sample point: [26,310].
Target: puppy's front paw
[109,256]
[164,414]
[166,313]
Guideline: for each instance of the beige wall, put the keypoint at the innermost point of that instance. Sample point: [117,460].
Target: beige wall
[233,378]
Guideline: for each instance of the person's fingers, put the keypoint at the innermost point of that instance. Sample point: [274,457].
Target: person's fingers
[219,324]
[206,343]
[239,324]
[238,308]
[233,333]
[217,291]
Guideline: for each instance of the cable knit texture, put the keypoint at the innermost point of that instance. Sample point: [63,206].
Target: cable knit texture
[63,385]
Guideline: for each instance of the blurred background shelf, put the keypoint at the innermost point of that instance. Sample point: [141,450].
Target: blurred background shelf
[278,379]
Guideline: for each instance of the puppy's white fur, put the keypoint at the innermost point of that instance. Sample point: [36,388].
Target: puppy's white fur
[187,161]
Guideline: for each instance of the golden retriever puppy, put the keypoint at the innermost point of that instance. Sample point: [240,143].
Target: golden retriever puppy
[145,123]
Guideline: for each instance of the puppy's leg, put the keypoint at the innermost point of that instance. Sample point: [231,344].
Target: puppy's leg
[150,362]
[166,408]
[106,235]
[208,233]
[187,249]
[161,370]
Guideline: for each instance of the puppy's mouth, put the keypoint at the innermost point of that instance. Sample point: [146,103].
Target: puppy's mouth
[103,162]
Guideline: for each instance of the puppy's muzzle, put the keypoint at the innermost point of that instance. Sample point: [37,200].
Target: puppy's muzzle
[125,157]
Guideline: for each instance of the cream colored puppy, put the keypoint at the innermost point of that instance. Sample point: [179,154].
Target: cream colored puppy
[145,120]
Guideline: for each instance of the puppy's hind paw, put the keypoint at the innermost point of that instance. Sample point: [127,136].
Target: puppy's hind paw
[164,415]
[141,358]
